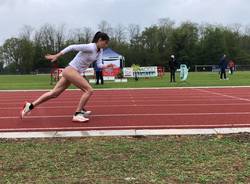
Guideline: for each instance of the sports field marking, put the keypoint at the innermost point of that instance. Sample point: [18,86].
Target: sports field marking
[106,130]
[126,127]
[117,97]
[124,89]
[132,115]
[116,100]
[120,101]
[224,95]
[129,132]
[134,105]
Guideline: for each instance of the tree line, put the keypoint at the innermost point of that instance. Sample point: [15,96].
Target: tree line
[191,43]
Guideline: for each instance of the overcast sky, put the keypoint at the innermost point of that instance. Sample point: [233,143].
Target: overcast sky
[79,13]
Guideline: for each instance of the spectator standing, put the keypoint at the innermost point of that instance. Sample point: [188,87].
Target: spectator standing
[223,66]
[98,74]
[172,68]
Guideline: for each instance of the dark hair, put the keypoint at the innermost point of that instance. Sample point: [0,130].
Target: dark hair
[99,35]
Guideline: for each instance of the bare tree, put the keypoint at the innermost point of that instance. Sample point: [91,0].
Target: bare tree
[81,35]
[165,29]
[105,27]
[166,22]
[60,37]
[120,33]
[88,34]
[247,30]
[46,37]
[76,35]
[133,31]
[235,27]
[26,32]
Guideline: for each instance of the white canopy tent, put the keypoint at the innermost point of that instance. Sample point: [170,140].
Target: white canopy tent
[112,57]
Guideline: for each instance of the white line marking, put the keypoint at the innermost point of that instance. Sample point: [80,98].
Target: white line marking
[224,95]
[120,101]
[124,127]
[126,89]
[75,100]
[134,105]
[104,98]
[129,132]
[132,115]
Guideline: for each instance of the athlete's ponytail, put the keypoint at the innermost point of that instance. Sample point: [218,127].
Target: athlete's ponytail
[99,35]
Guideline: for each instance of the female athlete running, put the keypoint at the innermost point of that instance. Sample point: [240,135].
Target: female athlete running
[88,53]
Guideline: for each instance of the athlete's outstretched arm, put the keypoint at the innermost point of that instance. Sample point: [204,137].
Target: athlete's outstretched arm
[76,47]
[53,57]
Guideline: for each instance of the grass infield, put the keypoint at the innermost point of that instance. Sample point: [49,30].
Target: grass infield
[107,160]
[196,79]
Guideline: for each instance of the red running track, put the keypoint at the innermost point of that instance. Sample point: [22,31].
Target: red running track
[131,109]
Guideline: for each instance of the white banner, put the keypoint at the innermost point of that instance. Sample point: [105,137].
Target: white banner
[128,72]
[89,72]
[150,71]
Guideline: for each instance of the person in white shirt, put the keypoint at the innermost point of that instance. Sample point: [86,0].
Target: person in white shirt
[87,54]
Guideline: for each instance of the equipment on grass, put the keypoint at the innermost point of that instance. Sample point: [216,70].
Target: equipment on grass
[183,72]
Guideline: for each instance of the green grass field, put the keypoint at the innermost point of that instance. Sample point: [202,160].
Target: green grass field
[9,82]
[172,159]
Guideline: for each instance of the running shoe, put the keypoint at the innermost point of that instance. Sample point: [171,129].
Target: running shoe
[86,113]
[80,118]
[27,107]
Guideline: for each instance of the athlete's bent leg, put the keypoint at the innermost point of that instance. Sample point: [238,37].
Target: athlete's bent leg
[58,89]
[75,78]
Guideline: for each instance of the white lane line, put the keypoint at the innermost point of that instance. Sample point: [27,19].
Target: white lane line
[127,100]
[137,89]
[163,98]
[124,127]
[224,95]
[134,115]
[122,101]
[140,97]
[134,105]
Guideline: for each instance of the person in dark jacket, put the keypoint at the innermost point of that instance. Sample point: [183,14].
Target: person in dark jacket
[98,74]
[223,66]
[172,68]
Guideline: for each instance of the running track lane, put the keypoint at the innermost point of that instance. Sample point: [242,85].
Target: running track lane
[132,109]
